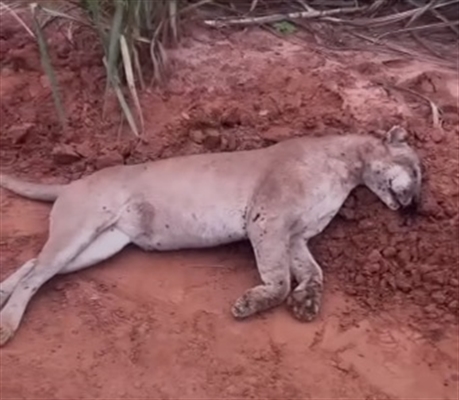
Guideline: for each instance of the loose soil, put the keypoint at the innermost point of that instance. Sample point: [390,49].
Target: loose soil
[158,325]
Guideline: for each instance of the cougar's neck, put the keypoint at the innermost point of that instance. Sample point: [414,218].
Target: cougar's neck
[354,152]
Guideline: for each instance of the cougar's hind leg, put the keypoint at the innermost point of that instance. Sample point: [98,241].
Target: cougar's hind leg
[107,244]
[74,225]
[8,285]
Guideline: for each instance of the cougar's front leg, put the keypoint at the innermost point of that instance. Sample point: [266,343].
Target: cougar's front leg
[304,301]
[270,244]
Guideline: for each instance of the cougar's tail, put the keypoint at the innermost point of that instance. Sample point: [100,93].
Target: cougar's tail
[35,191]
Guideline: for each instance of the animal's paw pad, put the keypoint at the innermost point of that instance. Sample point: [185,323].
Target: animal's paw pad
[5,334]
[305,302]
[242,308]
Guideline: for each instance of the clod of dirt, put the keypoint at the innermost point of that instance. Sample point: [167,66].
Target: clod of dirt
[347,213]
[229,143]
[20,132]
[277,133]
[454,305]
[375,256]
[389,252]
[403,283]
[437,135]
[212,139]
[64,154]
[108,160]
[197,136]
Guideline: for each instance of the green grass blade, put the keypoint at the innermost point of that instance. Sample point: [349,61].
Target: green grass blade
[113,47]
[147,11]
[138,68]
[46,62]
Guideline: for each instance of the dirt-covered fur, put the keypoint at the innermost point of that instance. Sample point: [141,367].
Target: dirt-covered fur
[277,198]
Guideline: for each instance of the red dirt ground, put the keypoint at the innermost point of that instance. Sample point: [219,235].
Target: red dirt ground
[158,325]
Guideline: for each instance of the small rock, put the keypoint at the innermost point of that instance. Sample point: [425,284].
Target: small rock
[6,71]
[366,224]
[20,132]
[64,154]
[389,252]
[277,133]
[420,135]
[404,257]
[212,140]
[59,286]
[109,160]
[231,143]
[449,318]
[403,284]
[430,207]
[197,136]
[439,297]
[431,309]
[453,305]
[433,326]
[437,135]
[84,150]
[347,213]
[44,81]
[435,277]
[374,268]
[427,268]
[263,113]
[374,256]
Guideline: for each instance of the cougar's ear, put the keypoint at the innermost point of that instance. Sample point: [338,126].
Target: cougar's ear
[396,135]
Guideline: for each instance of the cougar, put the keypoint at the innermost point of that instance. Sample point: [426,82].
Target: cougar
[277,197]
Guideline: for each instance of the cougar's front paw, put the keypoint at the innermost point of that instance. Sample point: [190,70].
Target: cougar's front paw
[243,307]
[304,302]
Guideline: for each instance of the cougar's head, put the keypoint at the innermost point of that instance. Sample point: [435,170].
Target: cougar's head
[393,171]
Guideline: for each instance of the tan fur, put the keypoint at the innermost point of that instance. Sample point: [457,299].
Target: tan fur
[277,198]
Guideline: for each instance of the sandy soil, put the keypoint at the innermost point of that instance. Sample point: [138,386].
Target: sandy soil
[158,325]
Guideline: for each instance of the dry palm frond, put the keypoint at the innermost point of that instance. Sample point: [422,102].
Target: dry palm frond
[268,19]
[13,10]
[435,110]
[420,28]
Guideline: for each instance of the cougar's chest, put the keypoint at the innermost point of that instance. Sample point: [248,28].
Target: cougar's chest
[322,206]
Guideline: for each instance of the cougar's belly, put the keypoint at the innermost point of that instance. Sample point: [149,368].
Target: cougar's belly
[173,228]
